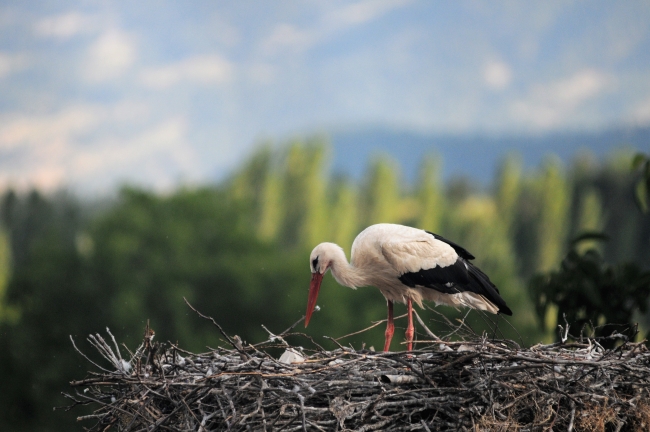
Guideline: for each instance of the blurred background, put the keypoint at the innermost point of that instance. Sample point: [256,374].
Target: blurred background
[156,150]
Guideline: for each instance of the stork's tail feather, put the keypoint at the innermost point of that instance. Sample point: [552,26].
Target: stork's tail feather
[488,289]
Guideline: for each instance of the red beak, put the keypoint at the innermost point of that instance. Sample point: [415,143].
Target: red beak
[314,287]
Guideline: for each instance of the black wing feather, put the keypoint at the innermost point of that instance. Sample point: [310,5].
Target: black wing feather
[461,251]
[459,277]
[438,278]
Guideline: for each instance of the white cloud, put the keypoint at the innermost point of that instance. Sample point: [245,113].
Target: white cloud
[362,12]
[117,154]
[12,63]
[575,89]
[553,104]
[204,70]
[43,150]
[641,113]
[158,155]
[50,133]
[41,132]
[65,26]
[110,56]
[288,37]
[497,75]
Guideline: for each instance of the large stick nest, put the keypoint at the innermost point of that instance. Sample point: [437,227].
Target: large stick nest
[473,384]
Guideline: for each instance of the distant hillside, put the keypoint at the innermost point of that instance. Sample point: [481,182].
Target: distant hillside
[474,156]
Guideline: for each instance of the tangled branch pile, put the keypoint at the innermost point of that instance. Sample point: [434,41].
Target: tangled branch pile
[478,384]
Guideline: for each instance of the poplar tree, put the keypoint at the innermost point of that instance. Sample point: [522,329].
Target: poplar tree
[303,197]
[508,191]
[270,215]
[382,192]
[344,219]
[590,218]
[429,194]
[553,212]
[247,184]
[7,314]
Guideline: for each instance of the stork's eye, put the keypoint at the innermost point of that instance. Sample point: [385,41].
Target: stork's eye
[314,263]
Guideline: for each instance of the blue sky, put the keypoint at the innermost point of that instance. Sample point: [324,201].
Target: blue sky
[94,93]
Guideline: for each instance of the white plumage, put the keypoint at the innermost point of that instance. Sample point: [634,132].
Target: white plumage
[407,265]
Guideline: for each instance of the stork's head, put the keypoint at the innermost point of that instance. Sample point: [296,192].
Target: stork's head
[320,260]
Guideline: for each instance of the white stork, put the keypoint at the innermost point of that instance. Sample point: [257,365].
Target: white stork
[407,265]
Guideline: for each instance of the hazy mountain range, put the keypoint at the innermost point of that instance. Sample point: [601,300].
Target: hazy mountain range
[474,156]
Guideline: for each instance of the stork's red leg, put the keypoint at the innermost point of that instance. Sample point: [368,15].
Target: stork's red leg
[390,327]
[410,330]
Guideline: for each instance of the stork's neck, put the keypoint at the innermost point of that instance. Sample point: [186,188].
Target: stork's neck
[345,273]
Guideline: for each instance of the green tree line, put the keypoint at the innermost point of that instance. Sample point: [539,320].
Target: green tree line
[238,251]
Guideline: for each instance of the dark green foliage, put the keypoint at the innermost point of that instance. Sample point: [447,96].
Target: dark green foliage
[641,163]
[54,298]
[150,252]
[591,292]
[136,261]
